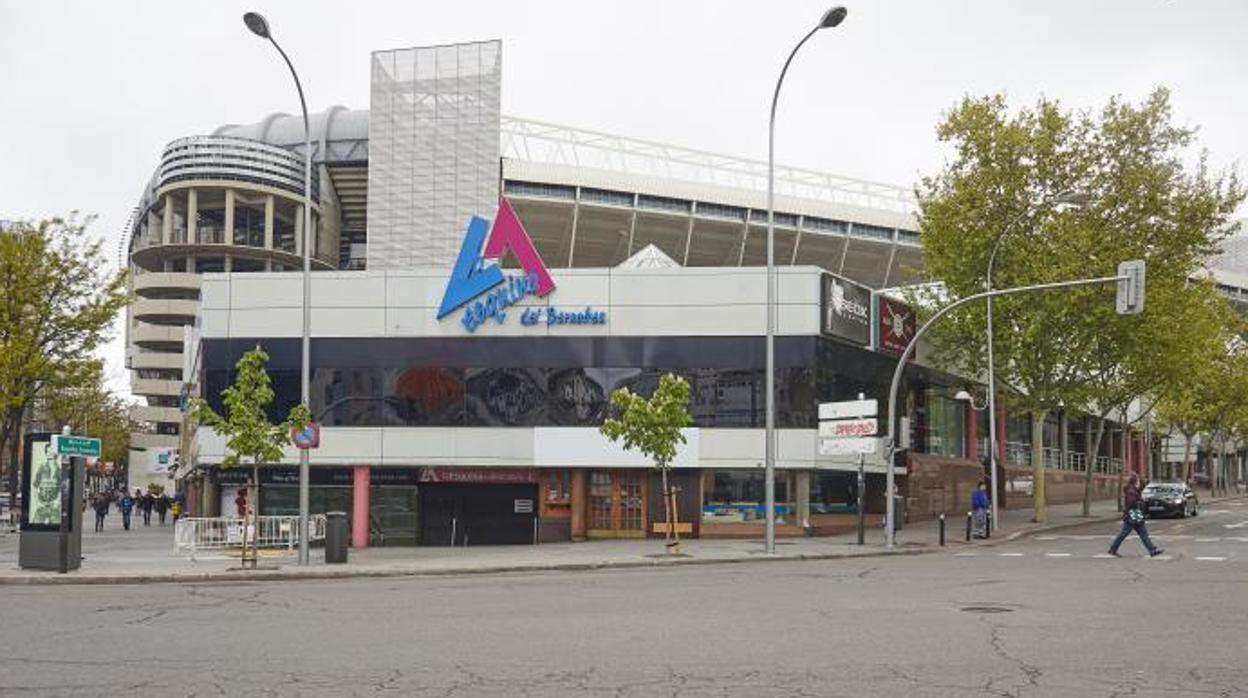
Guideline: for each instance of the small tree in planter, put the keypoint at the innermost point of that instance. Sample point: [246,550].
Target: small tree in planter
[250,438]
[653,428]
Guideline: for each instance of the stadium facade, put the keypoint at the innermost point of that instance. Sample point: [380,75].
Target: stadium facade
[459,408]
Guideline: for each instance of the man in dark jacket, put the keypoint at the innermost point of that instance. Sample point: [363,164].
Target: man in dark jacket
[1133,519]
[126,505]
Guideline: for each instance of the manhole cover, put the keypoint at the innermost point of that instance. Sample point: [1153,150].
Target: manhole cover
[985,609]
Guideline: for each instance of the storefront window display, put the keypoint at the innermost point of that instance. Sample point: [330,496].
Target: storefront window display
[738,496]
[833,492]
[945,423]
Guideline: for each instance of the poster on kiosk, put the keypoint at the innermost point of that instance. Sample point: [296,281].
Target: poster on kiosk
[51,525]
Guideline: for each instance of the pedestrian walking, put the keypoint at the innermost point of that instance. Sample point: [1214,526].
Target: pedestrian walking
[146,504]
[162,507]
[126,505]
[979,510]
[100,504]
[176,509]
[1133,518]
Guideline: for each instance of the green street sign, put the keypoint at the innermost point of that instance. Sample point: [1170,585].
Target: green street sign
[76,446]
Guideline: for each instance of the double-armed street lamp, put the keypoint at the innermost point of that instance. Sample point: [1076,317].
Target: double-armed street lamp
[832,18]
[260,27]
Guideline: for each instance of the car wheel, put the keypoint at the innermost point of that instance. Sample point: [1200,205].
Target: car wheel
[1183,512]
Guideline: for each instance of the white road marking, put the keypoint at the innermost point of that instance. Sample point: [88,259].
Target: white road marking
[965,554]
[1208,540]
[1241,524]
[1104,556]
[1046,537]
[1211,558]
[1057,554]
[1011,554]
[1161,557]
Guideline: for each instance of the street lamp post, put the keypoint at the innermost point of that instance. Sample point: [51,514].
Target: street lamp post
[831,18]
[1071,198]
[260,27]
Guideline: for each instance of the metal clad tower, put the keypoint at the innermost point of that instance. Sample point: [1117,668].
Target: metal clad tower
[434,150]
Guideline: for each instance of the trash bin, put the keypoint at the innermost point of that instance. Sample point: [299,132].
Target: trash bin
[336,537]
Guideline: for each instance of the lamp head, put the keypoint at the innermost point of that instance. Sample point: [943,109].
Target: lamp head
[1073,197]
[833,17]
[963,396]
[257,24]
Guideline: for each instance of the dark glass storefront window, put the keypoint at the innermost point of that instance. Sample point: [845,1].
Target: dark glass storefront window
[563,381]
[738,496]
[833,492]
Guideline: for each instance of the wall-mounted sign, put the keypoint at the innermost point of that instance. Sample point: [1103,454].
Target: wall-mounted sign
[845,309]
[483,476]
[897,325]
[484,292]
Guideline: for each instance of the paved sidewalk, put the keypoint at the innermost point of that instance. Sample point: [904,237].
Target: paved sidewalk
[147,554]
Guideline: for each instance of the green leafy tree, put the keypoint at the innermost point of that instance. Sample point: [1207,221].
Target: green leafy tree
[91,409]
[58,301]
[653,427]
[250,438]
[1006,177]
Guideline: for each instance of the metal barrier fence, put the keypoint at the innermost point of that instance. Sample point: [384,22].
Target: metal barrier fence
[193,534]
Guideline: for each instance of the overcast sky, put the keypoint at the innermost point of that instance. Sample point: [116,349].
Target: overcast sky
[91,91]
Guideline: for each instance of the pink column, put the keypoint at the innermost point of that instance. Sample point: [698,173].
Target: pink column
[359,506]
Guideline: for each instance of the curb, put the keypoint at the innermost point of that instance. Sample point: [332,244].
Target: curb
[347,573]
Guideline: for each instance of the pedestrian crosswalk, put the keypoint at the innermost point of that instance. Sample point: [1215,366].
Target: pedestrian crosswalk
[1098,556]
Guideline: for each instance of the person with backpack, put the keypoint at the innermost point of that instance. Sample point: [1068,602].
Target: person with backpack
[100,504]
[1133,519]
[126,505]
[162,507]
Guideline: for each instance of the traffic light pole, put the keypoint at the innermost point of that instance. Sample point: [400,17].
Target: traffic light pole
[1131,283]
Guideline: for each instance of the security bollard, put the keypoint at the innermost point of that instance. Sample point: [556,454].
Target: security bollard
[968,527]
[991,524]
[942,529]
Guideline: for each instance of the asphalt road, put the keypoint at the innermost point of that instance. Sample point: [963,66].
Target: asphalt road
[1041,616]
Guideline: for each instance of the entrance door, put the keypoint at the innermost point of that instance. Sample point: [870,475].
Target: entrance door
[617,504]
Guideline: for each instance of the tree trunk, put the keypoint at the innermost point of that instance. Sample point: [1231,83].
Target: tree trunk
[11,437]
[1122,465]
[1090,466]
[255,517]
[667,512]
[1039,504]
[1187,458]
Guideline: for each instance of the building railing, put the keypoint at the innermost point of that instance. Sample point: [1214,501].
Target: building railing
[194,534]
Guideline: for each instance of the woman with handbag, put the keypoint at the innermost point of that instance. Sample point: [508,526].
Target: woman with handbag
[1133,519]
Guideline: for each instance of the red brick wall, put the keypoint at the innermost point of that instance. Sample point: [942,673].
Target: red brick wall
[1061,487]
[936,483]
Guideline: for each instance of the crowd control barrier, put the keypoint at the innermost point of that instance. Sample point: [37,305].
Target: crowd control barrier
[196,534]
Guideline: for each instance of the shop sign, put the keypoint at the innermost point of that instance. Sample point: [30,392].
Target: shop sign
[846,309]
[848,428]
[897,325]
[283,475]
[482,476]
[393,476]
[484,293]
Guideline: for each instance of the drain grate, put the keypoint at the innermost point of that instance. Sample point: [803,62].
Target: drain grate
[985,609]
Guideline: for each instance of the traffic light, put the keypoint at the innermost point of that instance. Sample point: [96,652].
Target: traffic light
[1130,299]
